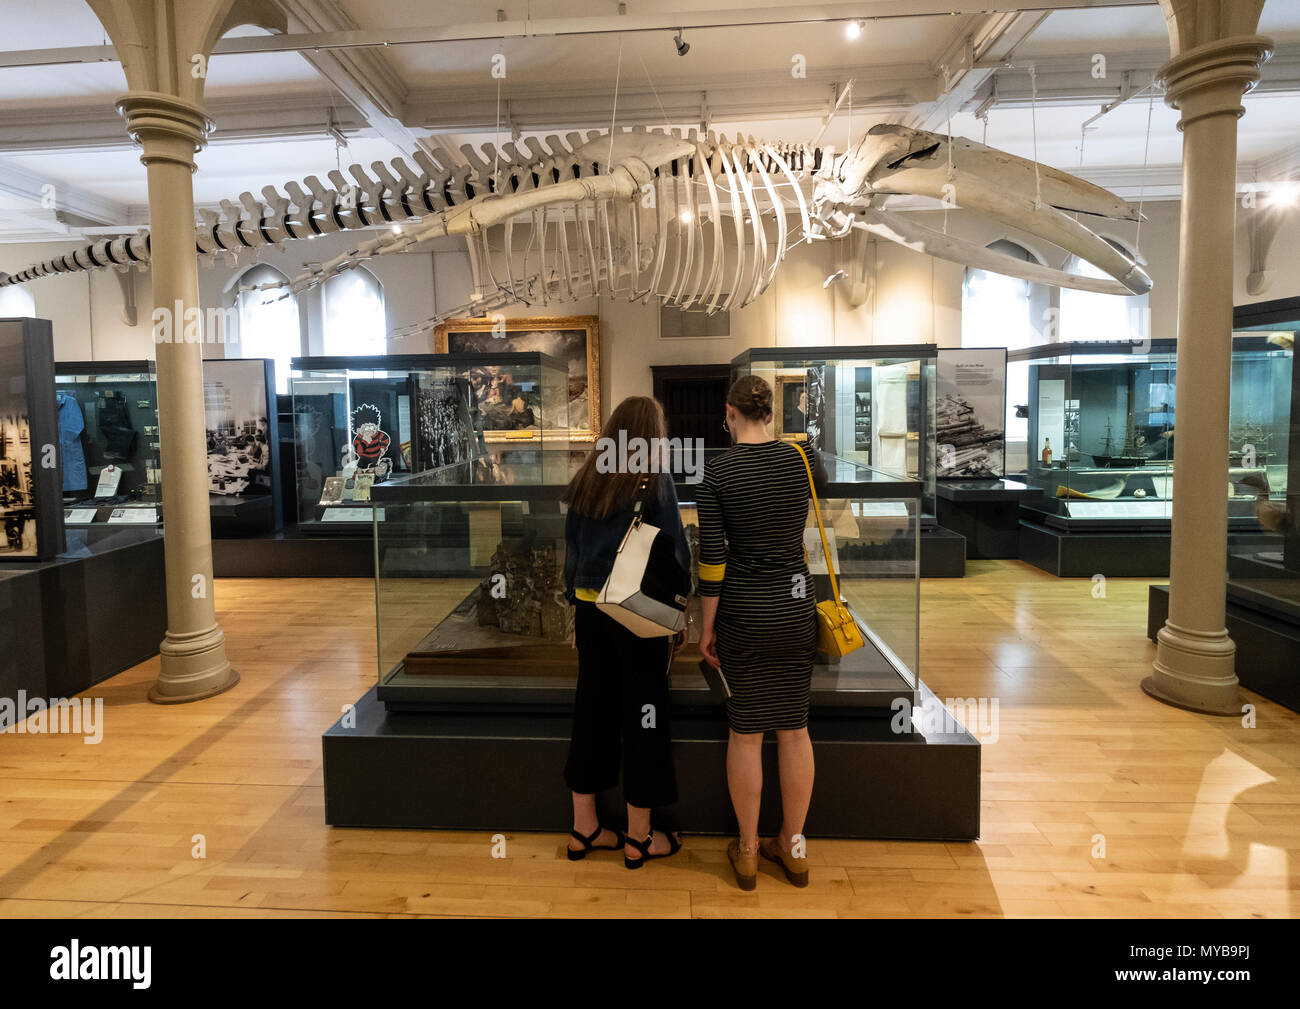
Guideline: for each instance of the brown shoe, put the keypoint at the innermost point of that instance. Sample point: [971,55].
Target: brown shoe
[744,866]
[796,869]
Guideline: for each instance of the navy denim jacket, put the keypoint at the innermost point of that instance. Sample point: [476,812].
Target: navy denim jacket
[591,544]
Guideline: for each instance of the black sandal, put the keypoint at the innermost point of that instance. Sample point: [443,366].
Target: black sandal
[589,845]
[674,846]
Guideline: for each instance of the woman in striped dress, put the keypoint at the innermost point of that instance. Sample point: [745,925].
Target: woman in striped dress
[759,624]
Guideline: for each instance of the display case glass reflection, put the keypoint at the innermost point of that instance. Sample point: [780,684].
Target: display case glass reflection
[873,405]
[469,582]
[1264,446]
[361,422]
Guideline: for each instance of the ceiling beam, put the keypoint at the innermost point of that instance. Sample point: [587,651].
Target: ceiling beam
[60,201]
[745,17]
[96,126]
[960,70]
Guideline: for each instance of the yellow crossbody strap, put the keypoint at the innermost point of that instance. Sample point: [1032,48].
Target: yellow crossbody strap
[826,547]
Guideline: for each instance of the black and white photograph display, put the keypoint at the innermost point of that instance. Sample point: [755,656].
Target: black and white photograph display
[31,469]
[444,412]
[971,412]
[235,415]
[862,411]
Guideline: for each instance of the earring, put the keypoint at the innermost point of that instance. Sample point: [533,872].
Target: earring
[724,425]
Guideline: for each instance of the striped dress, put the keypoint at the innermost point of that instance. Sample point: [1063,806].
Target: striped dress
[753,506]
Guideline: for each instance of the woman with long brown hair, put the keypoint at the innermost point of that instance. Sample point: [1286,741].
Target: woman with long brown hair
[620,711]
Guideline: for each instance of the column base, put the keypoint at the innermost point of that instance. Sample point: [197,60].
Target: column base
[1195,671]
[194,667]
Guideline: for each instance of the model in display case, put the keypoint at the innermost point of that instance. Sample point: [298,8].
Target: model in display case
[361,421]
[470,583]
[108,427]
[1095,427]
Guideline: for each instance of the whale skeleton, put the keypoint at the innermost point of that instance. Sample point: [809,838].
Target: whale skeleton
[698,222]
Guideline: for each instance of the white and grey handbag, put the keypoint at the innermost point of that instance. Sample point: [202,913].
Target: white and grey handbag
[647,589]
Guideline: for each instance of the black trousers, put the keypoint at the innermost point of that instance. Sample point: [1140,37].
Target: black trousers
[620,711]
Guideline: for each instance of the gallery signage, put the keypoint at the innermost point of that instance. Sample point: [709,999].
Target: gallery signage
[971,413]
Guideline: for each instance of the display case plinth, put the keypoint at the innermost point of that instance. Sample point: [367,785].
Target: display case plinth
[70,623]
[500,771]
[943,553]
[1267,637]
[986,512]
[291,554]
[1084,554]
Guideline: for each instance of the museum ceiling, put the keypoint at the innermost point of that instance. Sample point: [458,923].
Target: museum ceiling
[281,104]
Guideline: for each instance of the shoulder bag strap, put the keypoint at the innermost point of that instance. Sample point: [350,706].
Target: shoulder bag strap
[826,547]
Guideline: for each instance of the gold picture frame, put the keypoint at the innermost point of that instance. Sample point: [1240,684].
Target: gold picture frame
[786,386]
[528,334]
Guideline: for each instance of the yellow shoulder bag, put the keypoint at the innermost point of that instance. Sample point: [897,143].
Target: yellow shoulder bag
[837,631]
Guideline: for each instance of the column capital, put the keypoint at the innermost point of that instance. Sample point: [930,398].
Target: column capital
[1210,79]
[165,126]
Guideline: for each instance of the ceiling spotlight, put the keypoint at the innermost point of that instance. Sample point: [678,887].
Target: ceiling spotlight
[853,29]
[834,278]
[683,47]
[686,217]
[397,229]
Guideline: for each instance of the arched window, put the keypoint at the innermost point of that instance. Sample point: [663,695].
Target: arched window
[268,324]
[995,308]
[17,303]
[354,315]
[1086,315]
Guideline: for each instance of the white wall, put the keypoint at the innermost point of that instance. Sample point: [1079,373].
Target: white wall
[912,298]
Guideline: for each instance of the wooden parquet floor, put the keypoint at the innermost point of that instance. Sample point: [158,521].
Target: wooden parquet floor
[1097,800]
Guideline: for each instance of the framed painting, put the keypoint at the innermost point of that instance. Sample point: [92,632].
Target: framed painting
[573,339]
[790,410]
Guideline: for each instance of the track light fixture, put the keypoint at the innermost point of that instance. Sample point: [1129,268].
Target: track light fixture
[683,47]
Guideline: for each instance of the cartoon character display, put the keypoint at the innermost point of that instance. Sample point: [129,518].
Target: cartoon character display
[370,442]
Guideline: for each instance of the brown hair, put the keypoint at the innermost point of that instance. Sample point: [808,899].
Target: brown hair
[598,494]
[752,397]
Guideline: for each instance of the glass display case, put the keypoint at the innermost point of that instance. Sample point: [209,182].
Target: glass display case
[469,563]
[360,422]
[31,515]
[1091,427]
[243,448]
[1264,509]
[108,426]
[873,405]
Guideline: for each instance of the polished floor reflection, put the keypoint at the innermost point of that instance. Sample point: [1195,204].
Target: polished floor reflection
[1097,799]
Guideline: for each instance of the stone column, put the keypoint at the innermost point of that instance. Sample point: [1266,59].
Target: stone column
[1205,81]
[170,130]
